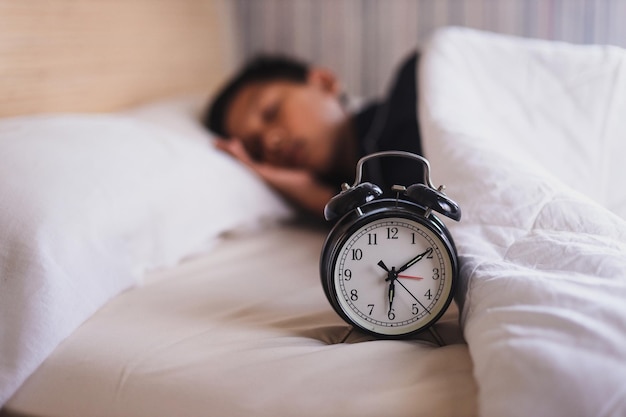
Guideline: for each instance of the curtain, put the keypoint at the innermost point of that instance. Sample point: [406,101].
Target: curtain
[364,40]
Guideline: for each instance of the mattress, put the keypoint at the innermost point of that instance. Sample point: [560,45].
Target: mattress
[245,330]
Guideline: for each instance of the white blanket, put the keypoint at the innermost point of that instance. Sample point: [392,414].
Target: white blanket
[530,139]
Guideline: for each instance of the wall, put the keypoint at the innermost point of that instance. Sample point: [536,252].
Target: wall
[363,40]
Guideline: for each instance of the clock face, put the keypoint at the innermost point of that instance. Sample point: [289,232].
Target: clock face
[393,276]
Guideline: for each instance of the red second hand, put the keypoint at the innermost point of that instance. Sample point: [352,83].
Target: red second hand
[409,276]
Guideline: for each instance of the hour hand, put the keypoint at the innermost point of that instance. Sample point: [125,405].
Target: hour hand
[391,293]
[392,275]
[415,260]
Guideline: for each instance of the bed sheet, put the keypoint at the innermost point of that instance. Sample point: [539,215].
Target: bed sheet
[245,330]
[530,138]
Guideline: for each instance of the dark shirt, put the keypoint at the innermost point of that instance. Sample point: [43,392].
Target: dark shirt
[392,124]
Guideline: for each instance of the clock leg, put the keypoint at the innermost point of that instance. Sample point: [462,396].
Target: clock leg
[436,336]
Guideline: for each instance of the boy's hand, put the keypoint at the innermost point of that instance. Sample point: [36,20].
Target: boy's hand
[235,148]
[297,185]
[274,175]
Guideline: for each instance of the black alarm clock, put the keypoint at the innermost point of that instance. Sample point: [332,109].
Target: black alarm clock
[389,265]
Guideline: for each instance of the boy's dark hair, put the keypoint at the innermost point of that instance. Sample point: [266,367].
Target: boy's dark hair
[263,68]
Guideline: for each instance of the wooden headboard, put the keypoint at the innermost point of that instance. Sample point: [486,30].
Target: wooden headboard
[104,55]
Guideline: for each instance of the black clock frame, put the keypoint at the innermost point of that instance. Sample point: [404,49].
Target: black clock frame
[372,211]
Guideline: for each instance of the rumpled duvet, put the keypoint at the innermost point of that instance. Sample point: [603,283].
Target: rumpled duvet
[529,137]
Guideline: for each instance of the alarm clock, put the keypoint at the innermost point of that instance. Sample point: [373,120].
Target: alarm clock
[389,265]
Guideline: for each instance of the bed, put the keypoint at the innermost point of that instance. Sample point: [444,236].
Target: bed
[144,273]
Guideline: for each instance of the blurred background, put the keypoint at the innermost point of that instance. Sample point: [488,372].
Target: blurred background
[362,41]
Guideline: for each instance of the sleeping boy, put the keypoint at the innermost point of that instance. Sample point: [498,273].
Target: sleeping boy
[287,121]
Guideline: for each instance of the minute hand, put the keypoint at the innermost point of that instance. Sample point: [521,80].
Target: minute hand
[414,260]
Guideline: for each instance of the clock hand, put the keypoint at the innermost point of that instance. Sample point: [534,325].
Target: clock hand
[392,276]
[409,276]
[415,298]
[415,260]
[383,266]
[391,294]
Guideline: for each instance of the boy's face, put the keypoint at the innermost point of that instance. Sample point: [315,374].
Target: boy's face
[288,124]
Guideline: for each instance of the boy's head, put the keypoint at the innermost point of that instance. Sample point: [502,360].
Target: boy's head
[285,112]
[262,69]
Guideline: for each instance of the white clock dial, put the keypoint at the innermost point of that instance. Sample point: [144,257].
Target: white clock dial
[393,276]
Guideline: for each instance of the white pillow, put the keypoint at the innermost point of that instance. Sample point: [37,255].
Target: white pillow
[89,202]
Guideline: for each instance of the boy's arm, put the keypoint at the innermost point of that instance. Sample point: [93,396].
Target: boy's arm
[298,186]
